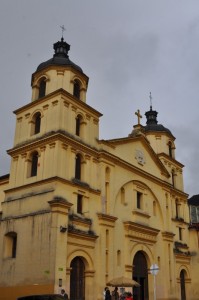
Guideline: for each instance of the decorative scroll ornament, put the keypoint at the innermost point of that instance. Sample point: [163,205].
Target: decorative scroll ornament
[139,156]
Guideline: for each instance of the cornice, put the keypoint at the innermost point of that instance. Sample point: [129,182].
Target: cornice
[60,205]
[27,195]
[64,95]
[120,162]
[99,155]
[106,220]
[155,133]
[182,258]
[53,179]
[170,159]
[139,232]
[59,68]
[168,236]
[51,137]
[35,213]
[82,236]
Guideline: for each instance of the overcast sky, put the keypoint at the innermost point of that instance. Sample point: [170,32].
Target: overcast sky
[127,48]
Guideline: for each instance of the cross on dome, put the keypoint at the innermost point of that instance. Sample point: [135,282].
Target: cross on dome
[63,29]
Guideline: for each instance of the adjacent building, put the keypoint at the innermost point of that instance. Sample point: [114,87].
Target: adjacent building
[77,211]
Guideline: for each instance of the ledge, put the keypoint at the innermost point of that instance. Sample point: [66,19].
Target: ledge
[141,213]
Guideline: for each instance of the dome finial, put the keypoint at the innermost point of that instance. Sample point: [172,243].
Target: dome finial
[63,29]
[150,97]
[61,48]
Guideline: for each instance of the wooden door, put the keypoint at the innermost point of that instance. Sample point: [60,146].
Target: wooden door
[140,274]
[77,279]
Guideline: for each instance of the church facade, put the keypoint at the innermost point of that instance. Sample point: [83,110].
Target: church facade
[77,211]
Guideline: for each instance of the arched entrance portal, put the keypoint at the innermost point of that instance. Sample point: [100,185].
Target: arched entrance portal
[182,285]
[77,279]
[140,274]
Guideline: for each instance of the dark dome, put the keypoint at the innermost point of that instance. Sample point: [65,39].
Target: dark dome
[156,127]
[152,123]
[60,58]
[194,200]
[58,61]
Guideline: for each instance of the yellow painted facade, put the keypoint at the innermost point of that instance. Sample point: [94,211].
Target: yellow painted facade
[76,211]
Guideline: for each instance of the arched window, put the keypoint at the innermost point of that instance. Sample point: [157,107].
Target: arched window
[76,89]
[35,123]
[10,245]
[78,125]
[34,164]
[42,88]
[78,166]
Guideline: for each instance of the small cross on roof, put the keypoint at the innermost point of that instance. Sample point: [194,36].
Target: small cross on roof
[137,113]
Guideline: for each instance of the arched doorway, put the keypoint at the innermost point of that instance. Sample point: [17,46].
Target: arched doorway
[140,274]
[182,285]
[77,279]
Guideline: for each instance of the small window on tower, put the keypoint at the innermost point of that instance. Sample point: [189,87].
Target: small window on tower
[78,125]
[173,177]
[34,164]
[79,204]
[177,209]
[76,89]
[37,123]
[42,88]
[170,149]
[78,166]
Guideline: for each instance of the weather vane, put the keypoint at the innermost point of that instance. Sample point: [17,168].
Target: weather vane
[63,29]
[150,97]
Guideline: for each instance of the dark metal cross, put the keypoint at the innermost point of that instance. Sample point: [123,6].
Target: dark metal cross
[63,29]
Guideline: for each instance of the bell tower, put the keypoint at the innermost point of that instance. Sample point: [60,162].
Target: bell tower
[57,116]
[53,173]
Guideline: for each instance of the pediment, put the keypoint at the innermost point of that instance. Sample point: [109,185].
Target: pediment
[138,152]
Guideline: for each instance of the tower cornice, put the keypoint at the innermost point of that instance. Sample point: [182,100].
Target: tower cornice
[64,95]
